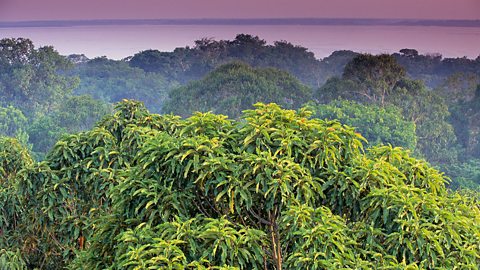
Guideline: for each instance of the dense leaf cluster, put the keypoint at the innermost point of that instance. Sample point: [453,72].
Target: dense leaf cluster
[274,190]
[379,125]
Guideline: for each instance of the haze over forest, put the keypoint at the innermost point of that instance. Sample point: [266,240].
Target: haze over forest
[240,151]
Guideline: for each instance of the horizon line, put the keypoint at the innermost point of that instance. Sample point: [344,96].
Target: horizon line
[245,21]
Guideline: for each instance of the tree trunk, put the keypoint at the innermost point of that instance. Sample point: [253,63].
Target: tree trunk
[275,237]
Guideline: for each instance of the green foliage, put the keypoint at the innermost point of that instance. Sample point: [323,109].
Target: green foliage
[11,260]
[30,78]
[375,76]
[187,64]
[459,87]
[434,70]
[75,114]
[12,122]
[38,83]
[13,157]
[429,112]
[366,78]
[112,81]
[379,125]
[36,104]
[43,134]
[187,243]
[382,81]
[464,175]
[319,240]
[465,119]
[275,189]
[334,64]
[45,206]
[234,87]
[80,113]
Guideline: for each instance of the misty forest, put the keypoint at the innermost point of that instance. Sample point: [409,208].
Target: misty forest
[238,154]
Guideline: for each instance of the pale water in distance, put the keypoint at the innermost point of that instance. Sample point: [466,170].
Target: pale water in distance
[118,42]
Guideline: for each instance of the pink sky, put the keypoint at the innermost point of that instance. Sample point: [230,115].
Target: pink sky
[17,10]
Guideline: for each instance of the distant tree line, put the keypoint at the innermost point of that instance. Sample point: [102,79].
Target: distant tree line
[424,103]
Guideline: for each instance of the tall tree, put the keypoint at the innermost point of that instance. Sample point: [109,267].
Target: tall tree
[381,80]
[375,76]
